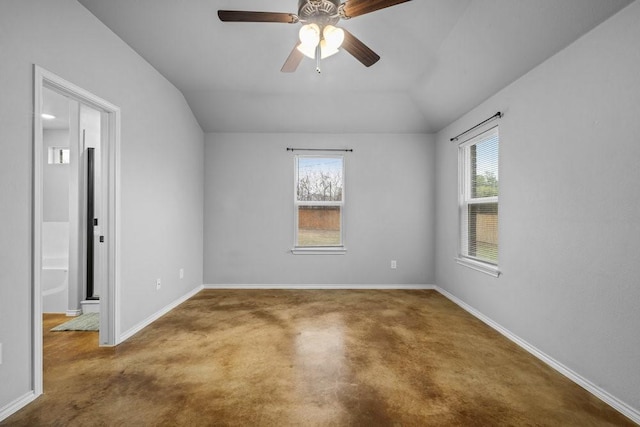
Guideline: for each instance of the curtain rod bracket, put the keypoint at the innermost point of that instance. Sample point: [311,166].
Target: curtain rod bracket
[497,115]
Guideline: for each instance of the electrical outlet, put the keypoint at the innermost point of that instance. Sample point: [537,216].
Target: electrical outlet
[181,273]
[394,264]
[158,284]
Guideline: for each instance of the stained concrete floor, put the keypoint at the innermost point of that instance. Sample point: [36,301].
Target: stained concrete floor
[306,357]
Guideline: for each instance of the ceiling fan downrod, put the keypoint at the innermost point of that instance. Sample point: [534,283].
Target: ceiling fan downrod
[318,55]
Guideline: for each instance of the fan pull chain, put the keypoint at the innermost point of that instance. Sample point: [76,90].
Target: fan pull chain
[318,53]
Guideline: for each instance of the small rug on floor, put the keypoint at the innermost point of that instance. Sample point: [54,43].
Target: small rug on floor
[84,322]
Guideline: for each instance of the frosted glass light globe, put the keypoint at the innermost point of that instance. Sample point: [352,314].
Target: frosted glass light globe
[326,50]
[334,36]
[309,35]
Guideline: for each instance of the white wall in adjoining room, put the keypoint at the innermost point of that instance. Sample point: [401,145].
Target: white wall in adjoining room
[161,183]
[55,178]
[569,208]
[388,213]
[55,226]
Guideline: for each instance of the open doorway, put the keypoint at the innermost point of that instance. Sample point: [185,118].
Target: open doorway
[76,209]
[72,206]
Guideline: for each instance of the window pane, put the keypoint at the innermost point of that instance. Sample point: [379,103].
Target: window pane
[58,155]
[319,226]
[319,179]
[483,231]
[484,168]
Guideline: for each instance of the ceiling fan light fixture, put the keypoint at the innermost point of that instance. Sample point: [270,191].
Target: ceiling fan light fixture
[333,36]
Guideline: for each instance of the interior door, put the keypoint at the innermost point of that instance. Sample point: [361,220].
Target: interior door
[90,123]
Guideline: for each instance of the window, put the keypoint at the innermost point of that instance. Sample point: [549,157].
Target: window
[319,202]
[479,177]
[58,156]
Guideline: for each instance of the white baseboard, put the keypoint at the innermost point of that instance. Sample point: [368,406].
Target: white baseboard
[155,316]
[318,286]
[73,313]
[617,404]
[90,306]
[17,404]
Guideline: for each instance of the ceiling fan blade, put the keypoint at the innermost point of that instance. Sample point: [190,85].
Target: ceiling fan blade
[359,50]
[248,16]
[294,59]
[353,8]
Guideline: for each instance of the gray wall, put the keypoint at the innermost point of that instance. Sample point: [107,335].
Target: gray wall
[569,208]
[161,168]
[389,212]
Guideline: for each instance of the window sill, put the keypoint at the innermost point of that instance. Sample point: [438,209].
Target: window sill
[491,270]
[334,250]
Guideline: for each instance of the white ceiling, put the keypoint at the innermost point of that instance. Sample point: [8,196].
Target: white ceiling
[440,58]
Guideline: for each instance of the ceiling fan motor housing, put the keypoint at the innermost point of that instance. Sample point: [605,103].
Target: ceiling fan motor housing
[320,12]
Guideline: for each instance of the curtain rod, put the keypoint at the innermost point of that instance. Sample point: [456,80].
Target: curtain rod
[497,115]
[320,149]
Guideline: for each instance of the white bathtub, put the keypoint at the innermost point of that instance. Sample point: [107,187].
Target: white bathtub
[55,267]
[54,281]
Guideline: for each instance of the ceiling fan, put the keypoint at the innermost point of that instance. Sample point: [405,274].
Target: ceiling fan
[319,37]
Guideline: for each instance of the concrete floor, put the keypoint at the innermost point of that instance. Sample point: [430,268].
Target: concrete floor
[307,357]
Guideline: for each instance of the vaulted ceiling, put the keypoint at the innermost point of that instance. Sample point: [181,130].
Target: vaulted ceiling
[440,58]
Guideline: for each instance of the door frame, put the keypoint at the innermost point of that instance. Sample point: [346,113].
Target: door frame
[110,142]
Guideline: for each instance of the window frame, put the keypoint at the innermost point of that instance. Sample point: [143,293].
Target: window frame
[318,250]
[465,200]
